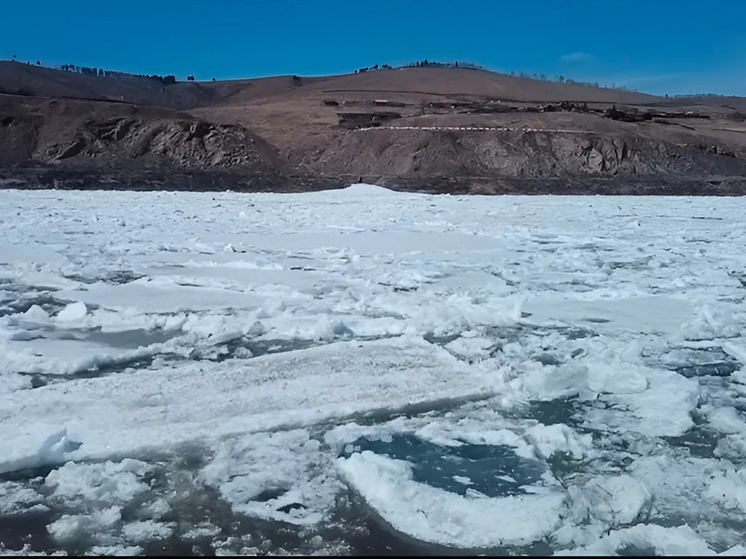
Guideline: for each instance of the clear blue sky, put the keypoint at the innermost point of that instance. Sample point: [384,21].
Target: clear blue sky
[660,46]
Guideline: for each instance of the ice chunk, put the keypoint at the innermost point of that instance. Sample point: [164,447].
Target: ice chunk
[663,409]
[729,489]
[726,419]
[108,483]
[735,551]
[548,439]
[145,530]
[188,400]
[201,530]
[26,551]
[647,539]
[613,501]
[438,516]
[71,527]
[116,550]
[73,312]
[16,498]
[36,449]
[10,382]
[604,377]
[277,476]
[36,313]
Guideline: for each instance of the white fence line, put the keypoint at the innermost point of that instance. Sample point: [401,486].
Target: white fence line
[472,128]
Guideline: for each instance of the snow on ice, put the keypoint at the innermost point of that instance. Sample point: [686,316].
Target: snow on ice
[255,373]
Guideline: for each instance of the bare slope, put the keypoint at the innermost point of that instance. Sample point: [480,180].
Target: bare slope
[440,129]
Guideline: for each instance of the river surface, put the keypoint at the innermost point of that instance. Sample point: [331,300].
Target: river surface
[368,372]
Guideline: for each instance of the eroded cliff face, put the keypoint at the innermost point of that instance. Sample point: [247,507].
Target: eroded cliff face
[183,143]
[421,153]
[61,133]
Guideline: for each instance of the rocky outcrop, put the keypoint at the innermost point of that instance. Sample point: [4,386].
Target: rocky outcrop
[515,155]
[126,137]
[181,143]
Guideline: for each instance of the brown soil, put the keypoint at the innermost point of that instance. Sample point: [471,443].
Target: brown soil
[428,129]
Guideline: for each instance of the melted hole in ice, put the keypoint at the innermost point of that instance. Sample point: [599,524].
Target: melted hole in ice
[99,370]
[49,303]
[551,412]
[28,528]
[132,339]
[27,474]
[441,340]
[700,440]
[237,347]
[117,277]
[629,550]
[700,362]
[548,359]
[123,339]
[494,471]
[718,369]
[270,493]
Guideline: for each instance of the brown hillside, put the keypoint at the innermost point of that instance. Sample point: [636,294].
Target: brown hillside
[442,129]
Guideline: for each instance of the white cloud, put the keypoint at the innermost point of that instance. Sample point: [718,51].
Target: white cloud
[576,56]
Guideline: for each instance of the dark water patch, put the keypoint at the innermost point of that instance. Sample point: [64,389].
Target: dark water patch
[493,470]
[431,408]
[245,347]
[352,527]
[28,474]
[562,465]
[548,359]
[440,339]
[116,277]
[699,440]
[566,411]
[741,278]
[597,320]
[700,362]
[630,550]
[577,333]
[50,304]
[510,334]
[696,240]
[109,368]
[131,339]
[194,504]
[100,370]
[269,494]
[27,528]
[123,339]
[630,265]
[38,380]
[398,288]
[236,348]
[721,369]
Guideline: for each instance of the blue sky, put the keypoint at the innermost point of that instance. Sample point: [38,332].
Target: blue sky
[660,46]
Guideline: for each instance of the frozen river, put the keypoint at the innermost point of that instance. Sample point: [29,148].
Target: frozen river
[363,371]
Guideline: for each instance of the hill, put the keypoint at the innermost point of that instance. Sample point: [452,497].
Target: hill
[426,128]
